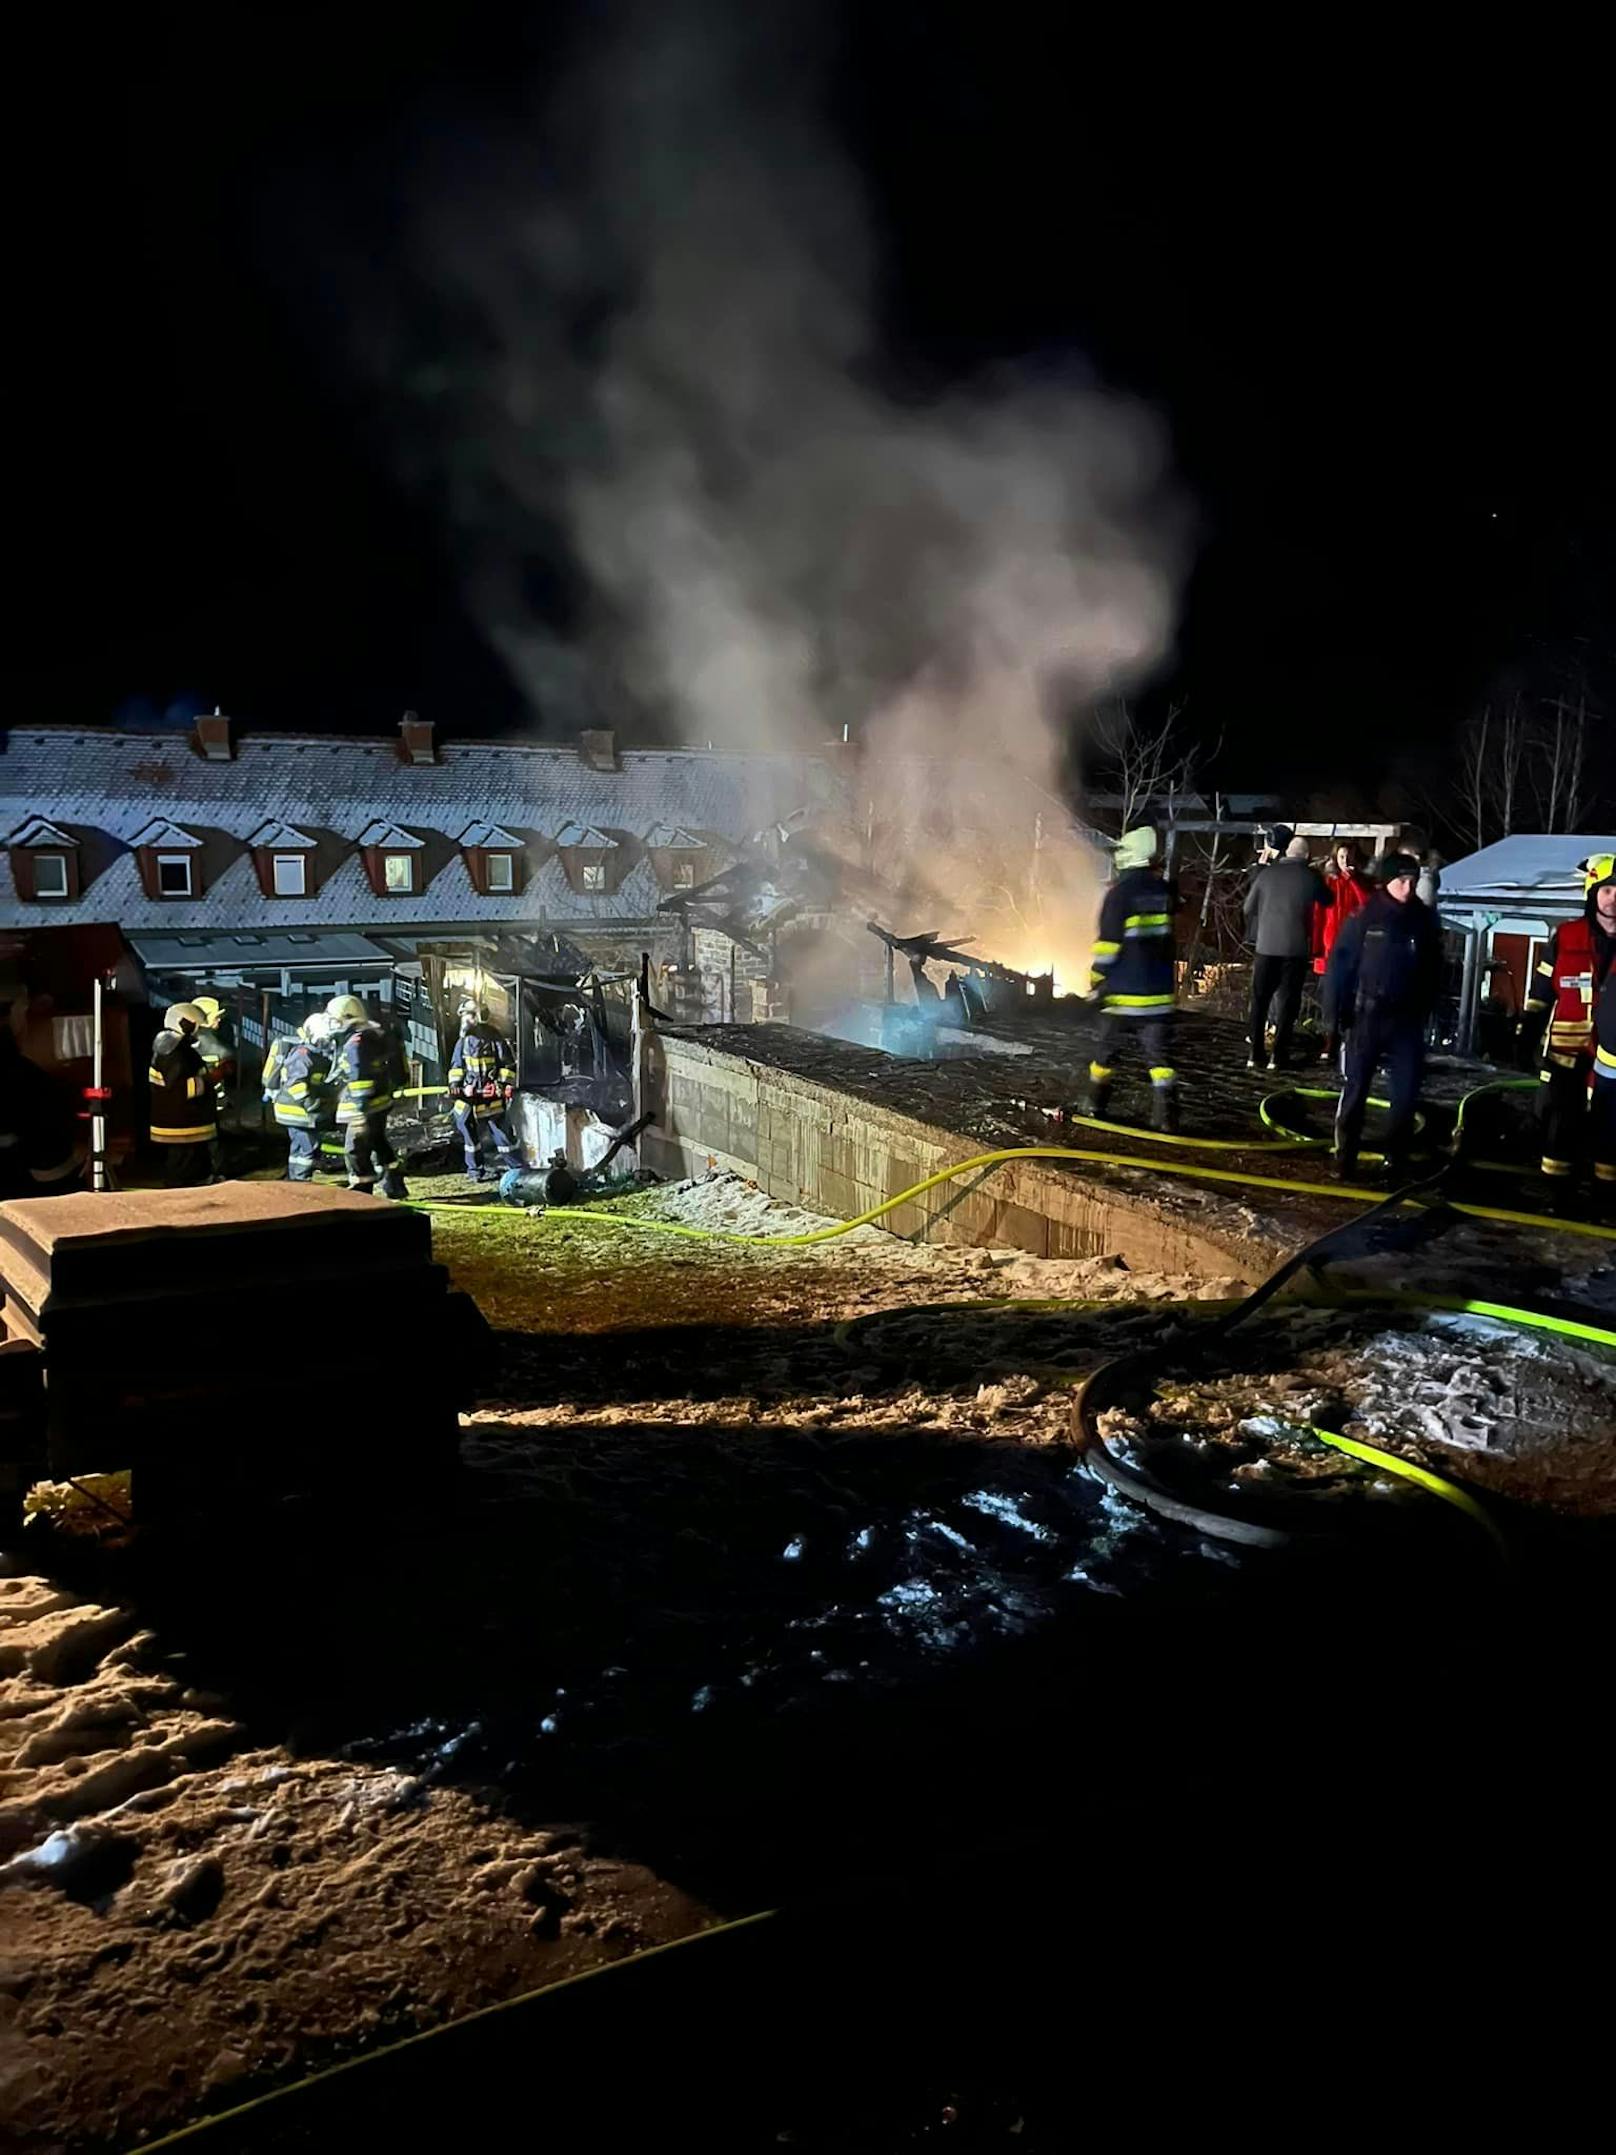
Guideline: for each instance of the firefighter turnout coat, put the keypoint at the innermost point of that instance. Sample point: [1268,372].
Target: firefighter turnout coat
[302,1087]
[482,1071]
[182,1107]
[1567,985]
[362,1065]
[1133,971]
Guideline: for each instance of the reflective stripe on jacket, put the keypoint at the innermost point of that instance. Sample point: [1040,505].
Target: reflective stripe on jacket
[482,1071]
[182,1109]
[1567,984]
[1133,954]
[302,1093]
[362,1069]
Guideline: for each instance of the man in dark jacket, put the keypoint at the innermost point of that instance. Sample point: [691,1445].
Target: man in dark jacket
[1379,992]
[1133,978]
[1279,920]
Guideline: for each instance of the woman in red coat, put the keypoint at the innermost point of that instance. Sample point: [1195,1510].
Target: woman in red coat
[1349,889]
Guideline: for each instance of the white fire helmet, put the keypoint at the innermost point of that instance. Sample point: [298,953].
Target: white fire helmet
[345,1010]
[179,1014]
[315,1028]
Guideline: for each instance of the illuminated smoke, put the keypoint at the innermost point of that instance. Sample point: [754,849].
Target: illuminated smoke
[661,348]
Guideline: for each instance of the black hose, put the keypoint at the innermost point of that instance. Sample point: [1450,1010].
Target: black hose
[1104,1385]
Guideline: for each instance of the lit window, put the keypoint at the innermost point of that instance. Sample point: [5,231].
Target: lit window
[291,876]
[684,875]
[50,875]
[594,875]
[398,871]
[501,872]
[173,875]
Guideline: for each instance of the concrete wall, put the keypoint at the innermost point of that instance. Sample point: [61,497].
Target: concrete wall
[811,1145]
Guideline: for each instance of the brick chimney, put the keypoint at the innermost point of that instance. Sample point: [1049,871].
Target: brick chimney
[211,735]
[598,747]
[416,744]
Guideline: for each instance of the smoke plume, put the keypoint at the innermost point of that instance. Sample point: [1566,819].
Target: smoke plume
[659,310]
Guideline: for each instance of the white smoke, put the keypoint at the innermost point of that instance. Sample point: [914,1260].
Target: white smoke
[674,366]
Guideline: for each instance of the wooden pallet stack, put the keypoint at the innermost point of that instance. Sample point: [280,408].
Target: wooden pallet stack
[247,1338]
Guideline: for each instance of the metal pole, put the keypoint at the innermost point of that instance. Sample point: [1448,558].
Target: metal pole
[1468,987]
[98,1121]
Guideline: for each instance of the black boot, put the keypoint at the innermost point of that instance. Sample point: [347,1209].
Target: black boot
[1097,1100]
[1164,1107]
[1345,1165]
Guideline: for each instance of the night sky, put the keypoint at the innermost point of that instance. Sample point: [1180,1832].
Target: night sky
[1368,297]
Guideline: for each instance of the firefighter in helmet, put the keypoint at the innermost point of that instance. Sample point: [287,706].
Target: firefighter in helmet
[304,1105]
[1564,993]
[184,1120]
[482,1084]
[362,1066]
[1134,976]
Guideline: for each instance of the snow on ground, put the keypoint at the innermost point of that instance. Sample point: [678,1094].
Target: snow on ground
[185,1913]
[709,1486]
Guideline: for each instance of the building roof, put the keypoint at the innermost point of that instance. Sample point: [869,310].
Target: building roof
[107,790]
[1537,872]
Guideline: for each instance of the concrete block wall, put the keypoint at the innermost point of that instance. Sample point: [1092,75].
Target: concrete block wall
[808,1144]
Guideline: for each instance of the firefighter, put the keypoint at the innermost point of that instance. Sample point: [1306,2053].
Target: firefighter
[184,1120]
[1133,978]
[1566,990]
[303,1095]
[361,1064]
[482,1082]
[1379,992]
[219,1062]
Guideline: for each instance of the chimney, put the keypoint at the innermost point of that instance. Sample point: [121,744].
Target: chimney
[211,735]
[598,747]
[416,744]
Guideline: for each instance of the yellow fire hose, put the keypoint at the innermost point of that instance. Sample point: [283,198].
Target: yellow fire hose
[1341,1192]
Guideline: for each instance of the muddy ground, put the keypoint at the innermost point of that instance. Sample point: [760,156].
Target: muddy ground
[770,1576]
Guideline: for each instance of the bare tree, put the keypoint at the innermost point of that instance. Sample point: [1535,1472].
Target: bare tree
[1557,763]
[1492,752]
[1140,762]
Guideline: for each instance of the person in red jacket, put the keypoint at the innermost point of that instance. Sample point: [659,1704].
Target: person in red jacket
[1565,992]
[1350,890]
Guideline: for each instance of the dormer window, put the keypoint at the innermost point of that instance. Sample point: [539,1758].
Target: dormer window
[495,859]
[44,862]
[679,857]
[169,858]
[392,858]
[590,858]
[284,859]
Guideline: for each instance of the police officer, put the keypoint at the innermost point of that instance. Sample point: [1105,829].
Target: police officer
[361,1064]
[1566,990]
[1133,978]
[303,1095]
[184,1121]
[482,1081]
[1379,992]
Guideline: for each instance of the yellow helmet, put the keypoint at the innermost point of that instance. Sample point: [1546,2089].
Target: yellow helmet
[211,1008]
[345,1010]
[178,1014]
[1601,868]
